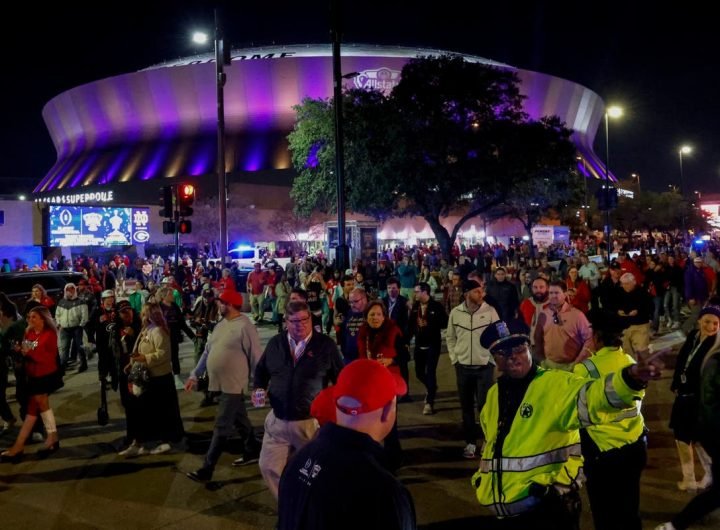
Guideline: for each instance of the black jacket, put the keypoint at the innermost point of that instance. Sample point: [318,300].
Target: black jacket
[399,313]
[292,387]
[430,335]
[340,480]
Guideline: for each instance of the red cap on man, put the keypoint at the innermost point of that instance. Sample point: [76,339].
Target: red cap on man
[232,298]
[367,382]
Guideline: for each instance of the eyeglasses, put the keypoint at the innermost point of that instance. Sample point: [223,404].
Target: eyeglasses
[297,321]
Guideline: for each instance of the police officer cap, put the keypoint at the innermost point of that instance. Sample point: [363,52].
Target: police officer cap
[107,293]
[501,337]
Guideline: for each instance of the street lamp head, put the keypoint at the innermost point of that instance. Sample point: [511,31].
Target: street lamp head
[614,111]
[685,149]
[200,37]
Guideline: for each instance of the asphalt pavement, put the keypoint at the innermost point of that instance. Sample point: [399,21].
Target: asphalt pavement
[87,485]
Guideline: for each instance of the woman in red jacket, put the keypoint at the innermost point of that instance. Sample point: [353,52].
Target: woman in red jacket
[40,352]
[577,290]
[379,338]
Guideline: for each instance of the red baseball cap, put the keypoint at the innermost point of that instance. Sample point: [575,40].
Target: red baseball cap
[231,298]
[367,381]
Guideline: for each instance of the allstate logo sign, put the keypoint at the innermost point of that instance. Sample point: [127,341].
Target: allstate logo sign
[383,79]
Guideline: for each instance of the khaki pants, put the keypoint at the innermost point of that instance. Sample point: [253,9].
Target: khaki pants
[636,338]
[281,440]
[257,303]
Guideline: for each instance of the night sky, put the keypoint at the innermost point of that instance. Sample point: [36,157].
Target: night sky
[661,66]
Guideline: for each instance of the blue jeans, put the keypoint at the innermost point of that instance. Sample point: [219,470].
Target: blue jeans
[657,303]
[672,304]
[71,343]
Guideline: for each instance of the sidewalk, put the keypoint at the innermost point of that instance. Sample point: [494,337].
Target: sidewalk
[86,485]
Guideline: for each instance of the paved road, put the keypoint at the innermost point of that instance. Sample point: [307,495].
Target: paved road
[86,485]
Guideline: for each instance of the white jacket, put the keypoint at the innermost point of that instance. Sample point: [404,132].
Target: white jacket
[463,334]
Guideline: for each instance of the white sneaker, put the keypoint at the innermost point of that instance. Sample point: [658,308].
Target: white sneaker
[132,450]
[160,449]
[675,325]
[665,526]
[179,385]
[37,437]
[469,451]
[428,410]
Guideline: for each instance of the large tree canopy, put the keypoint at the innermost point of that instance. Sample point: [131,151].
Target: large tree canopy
[450,137]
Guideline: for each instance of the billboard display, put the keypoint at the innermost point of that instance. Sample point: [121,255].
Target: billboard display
[71,226]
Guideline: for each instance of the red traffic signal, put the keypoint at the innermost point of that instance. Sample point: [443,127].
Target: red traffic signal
[184,227]
[186,197]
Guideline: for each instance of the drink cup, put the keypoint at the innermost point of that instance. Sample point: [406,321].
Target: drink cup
[258,398]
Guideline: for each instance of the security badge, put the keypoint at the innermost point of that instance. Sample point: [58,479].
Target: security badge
[526,410]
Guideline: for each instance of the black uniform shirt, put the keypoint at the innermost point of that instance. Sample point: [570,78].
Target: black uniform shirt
[340,481]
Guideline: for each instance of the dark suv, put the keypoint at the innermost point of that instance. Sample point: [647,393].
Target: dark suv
[17,285]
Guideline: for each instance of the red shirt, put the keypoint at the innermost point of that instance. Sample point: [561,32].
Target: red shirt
[41,359]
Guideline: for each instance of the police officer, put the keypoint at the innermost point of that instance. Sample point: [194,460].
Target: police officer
[615,453]
[530,475]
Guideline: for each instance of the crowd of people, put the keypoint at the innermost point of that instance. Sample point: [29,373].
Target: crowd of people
[551,363]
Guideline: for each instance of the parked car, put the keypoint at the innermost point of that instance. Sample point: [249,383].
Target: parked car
[17,285]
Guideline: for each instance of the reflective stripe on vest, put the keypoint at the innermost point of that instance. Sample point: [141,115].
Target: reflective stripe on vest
[611,394]
[582,407]
[591,368]
[527,463]
[625,414]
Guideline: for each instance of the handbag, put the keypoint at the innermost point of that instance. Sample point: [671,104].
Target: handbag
[139,375]
[203,382]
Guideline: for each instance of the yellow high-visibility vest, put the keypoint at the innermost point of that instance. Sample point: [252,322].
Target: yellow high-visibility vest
[543,444]
[621,428]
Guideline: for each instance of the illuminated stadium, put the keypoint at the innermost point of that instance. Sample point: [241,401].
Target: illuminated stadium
[131,132]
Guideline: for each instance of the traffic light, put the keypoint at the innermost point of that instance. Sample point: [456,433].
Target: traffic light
[184,227]
[166,201]
[186,197]
[168,227]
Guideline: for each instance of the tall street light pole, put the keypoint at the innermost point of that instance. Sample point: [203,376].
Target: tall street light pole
[684,150]
[342,255]
[222,57]
[611,112]
[636,176]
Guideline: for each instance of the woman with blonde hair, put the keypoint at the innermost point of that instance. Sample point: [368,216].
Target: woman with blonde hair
[39,297]
[157,406]
[39,349]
